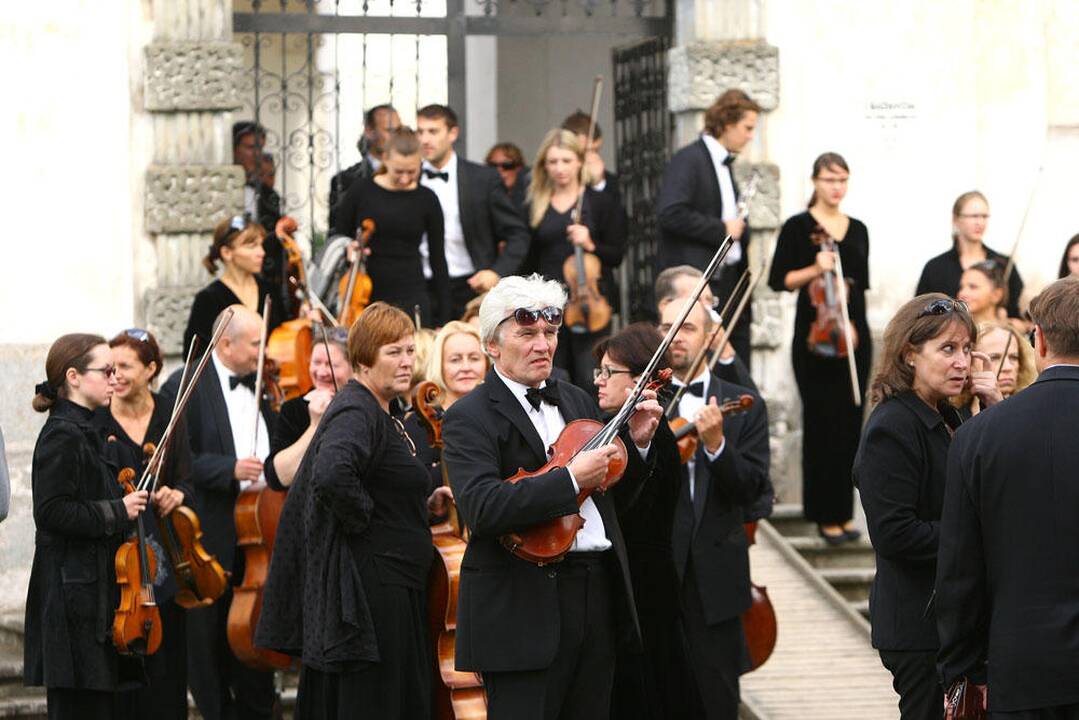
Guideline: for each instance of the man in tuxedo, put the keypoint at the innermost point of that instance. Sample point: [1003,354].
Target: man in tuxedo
[221,418]
[1007,573]
[603,180]
[477,211]
[543,636]
[378,123]
[261,201]
[723,485]
[698,202]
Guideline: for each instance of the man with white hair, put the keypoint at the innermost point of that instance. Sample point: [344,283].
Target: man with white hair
[542,635]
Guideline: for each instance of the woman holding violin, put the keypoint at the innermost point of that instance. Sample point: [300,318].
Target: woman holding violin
[805,262]
[237,244]
[299,418]
[558,180]
[82,517]
[346,586]
[133,424]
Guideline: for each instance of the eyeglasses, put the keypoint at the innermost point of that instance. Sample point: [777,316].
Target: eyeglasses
[943,306]
[508,165]
[526,317]
[137,334]
[606,371]
[404,435]
[108,371]
[975,216]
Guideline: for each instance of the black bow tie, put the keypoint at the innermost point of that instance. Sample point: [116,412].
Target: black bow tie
[696,388]
[247,381]
[548,394]
[729,159]
[432,173]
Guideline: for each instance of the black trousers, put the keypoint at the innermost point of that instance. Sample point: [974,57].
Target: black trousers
[223,687]
[914,677]
[577,685]
[165,698]
[77,704]
[715,654]
[1060,712]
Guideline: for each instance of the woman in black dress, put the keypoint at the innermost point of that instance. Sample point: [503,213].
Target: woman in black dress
[299,417]
[137,416]
[556,185]
[831,422]
[82,517]
[900,471]
[346,589]
[238,245]
[403,212]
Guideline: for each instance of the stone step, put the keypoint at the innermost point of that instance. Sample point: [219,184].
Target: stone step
[862,606]
[788,519]
[852,583]
[858,554]
[30,707]
[11,632]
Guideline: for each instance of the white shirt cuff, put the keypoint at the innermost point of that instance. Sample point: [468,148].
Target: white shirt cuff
[717,453]
[727,361]
[576,487]
[644,450]
[600,186]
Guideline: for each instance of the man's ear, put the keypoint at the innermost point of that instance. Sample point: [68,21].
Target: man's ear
[453,133]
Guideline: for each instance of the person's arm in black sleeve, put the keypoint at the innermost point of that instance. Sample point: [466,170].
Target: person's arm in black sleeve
[345,220]
[58,503]
[288,430]
[675,211]
[610,229]
[785,257]
[508,226]
[440,274]
[199,321]
[348,444]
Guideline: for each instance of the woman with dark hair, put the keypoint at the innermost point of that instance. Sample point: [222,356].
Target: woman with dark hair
[403,211]
[982,289]
[900,471]
[82,517]
[1069,263]
[509,161]
[831,422]
[237,244]
[649,685]
[346,589]
[942,274]
[132,423]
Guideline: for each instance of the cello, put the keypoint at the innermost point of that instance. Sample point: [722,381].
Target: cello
[759,620]
[290,343]
[457,695]
[354,290]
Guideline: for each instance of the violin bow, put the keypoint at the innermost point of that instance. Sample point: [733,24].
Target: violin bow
[329,358]
[316,301]
[259,373]
[728,327]
[841,286]
[597,90]
[155,472]
[1004,357]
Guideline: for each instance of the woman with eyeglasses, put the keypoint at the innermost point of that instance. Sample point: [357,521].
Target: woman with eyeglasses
[299,418]
[134,423]
[237,245]
[346,588]
[81,516]
[900,469]
[509,161]
[557,183]
[831,421]
[944,273]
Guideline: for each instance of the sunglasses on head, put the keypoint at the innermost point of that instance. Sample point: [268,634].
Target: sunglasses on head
[526,317]
[508,165]
[137,334]
[239,222]
[943,306]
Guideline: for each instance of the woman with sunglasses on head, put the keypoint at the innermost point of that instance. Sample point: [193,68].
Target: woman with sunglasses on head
[299,418]
[943,274]
[558,179]
[133,424]
[900,469]
[82,517]
[346,589]
[237,244]
[831,421]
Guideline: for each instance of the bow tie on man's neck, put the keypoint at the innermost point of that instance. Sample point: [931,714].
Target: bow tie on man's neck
[430,172]
[695,388]
[729,160]
[548,393]
[247,381]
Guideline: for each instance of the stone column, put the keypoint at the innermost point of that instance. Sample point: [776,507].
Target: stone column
[716,54]
[191,85]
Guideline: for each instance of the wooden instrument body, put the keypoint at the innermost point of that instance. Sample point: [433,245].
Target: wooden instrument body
[759,620]
[258,509]
[354,290]
[290,346]
[685,432]
[199,577]
[586,309]
[826,336]
[136,626]
[549,542]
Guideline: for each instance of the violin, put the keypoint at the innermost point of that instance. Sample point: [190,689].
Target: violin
[685,432]
[828,333]
[458,695]
[290,343]
[136,627]
[759,620]
[354,290]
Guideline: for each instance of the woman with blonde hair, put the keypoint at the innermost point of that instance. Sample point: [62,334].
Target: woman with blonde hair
[559,177]
[1018,370]
[456,362]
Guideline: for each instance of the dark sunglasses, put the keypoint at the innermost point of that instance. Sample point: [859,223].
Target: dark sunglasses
[526,317]
[137,334]
[508,165]
[943,306]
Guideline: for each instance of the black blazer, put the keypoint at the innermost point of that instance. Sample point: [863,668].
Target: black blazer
[689,211]
[732,483]
[488,217]
[342,181]
[899,470]
[1008,576]
[508,616]
[213,461]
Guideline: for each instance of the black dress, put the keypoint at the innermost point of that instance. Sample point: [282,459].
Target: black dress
[831,422]
[292,422]
[944,272]
[166,694]
[346,589]
[395,266]
[72,596]
[215,297]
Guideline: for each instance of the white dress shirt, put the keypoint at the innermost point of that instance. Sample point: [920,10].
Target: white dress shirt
[549,423]
[458,261]
[729,211]
[688,407]
[243,414]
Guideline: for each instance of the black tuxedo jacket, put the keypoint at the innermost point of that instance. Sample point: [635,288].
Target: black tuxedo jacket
[342,181]
[213,460]
[508,617]
[1007,586]
[689,211]
[710,530]
[488,216]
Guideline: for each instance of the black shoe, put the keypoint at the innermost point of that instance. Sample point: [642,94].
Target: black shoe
[853,535]
[832,539]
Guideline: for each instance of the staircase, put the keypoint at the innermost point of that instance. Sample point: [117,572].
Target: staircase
[16,701]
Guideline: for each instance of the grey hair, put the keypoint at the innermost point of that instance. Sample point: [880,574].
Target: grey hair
[664,289]
[241,320]
[513,292]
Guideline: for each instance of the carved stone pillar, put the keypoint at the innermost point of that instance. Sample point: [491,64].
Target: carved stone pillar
[191,79]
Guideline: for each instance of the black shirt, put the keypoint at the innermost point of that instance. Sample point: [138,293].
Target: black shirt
[943,273]
[215,297]
[292,422]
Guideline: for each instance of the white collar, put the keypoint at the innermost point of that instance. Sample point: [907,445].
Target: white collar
[703,377]
[715,147]
[223,373]
[518,389]
[450,168]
